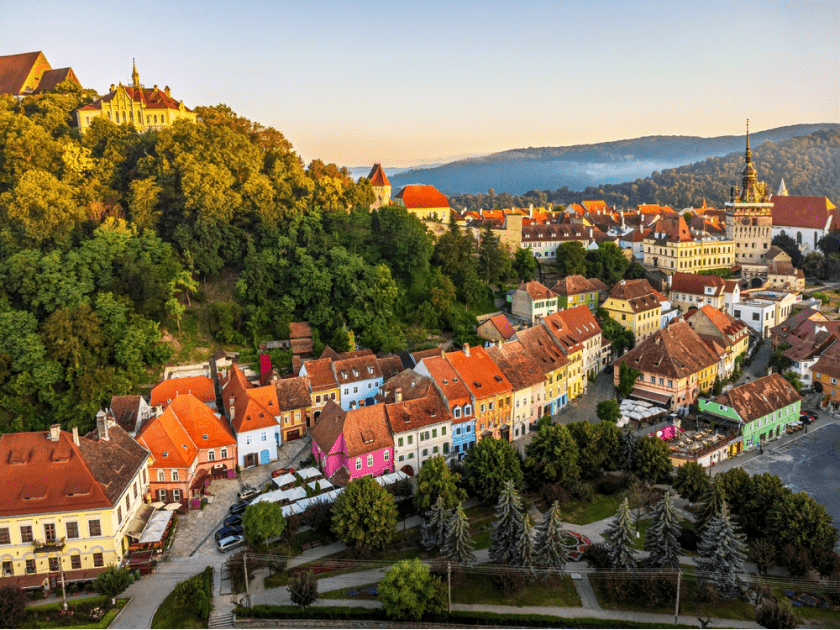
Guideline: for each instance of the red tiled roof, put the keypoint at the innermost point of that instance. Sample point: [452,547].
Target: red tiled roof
[365,429]
[199,420]
[516,365]
[572,327]
[479,373]
[422,354]
[503,326]
[149,97]
[199,386]
[696,284]
[422,196]
[125,410]
[806,212]
[291,394]
[537,290]
[321,375]
[448,381]
[760,397]
[674,228]
[14,70]
[543,349]
[253,407]
[390,366]
[366,367]
[300,330]
[51,78]
[676,352]
[829,362]
[414,413]
[378,177]
[301,346]
[572,285]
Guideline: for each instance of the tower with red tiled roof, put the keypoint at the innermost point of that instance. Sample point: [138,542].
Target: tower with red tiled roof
[381,186]
[749,214]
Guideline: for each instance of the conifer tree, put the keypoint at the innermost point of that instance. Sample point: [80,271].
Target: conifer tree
[459,544]
[619,539]
[713,501]
[628,446]
[433,529]
[662,539]
[722,554]
[507,530]
[524,552]
[550,550]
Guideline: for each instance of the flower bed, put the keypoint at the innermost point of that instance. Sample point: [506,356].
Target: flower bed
[578,545]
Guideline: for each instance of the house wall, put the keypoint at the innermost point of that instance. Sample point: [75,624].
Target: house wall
[414,447]
[250,442]
[463,436]
[554,388]
[375,463]
[770,427]
[353,393]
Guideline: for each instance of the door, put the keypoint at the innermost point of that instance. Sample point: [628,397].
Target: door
[265,456]
[293,435]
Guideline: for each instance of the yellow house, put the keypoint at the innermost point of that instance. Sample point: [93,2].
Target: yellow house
[70,503]
[145,108]
[545,352]
[635,305]
[425,202]
[573,348]
[323,385]
[726,336]
[671,247]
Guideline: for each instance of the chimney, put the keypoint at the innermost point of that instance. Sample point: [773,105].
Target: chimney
[112,88]
[76,436]
[158,410]
[166,91]
[466,349]
[102,426]
[531,210]
[499,343]
[398,394]
[55,432]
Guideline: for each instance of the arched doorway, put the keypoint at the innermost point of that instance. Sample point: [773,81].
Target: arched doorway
[408,470]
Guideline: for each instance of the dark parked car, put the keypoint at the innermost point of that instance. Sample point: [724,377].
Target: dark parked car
[239,508]
[247,493]
[233,519]
[229,531]
[807,418]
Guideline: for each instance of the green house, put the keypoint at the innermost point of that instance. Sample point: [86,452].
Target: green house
[759,411]
[573,291]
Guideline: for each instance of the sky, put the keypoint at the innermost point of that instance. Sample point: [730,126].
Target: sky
[415,83]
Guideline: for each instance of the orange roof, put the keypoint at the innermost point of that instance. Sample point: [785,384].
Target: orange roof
[542,348]
[516,365]
[253,407]
[597,205]
[15,69]
[409,415]
[151,98]
[675,230]
[503,326]
[378,177]
[576,208]
[199,421]
[422,196]
[572,285]
[448,381]
[652,208]
[478,371]
[537,290]
[300,330]
[365,429]
[199,386]
[572,327]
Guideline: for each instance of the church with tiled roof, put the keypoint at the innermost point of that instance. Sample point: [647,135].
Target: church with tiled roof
[145,108]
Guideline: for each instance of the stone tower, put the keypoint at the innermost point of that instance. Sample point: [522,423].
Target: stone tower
[381,187]
[749,214]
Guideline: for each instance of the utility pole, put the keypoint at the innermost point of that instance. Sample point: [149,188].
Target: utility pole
[449,583]
[677,607]
[247,586]
[63,588]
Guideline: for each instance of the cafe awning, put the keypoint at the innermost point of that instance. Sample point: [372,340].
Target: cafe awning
[659,399]
[156,527]
[140,520]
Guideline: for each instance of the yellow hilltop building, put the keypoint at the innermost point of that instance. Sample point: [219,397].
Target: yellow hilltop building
[145,108]
[636,306]
[69,504]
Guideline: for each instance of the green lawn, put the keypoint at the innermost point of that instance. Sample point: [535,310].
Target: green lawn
[171,614]
[477,588]
[278,579]
[816,617]
[57,621]
[643,525]
[601,506]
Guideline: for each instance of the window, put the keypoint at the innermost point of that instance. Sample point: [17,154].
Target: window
[224,453]
[346,391]
[434,433]
[54,565]
[5,538]
[456,412]
[370,461]
[411,456]
[399,441]
[443,430]
[652,379]
[661,381]
[467,410]
[211,456]
[26,533]
[144,475]
[161,476]
[263,436]
[175,475]
[127,503]
[483,408]
[7,568]
[176,495]
[76,562]
[332,395]
[402,457]
[98,560]
[425,452]
[386,455]
[490,406]
[30,566]
[247,439]
[356,390]
[410,440]
[49,532]
[134,488]
[358,463]
[317,399]
[434,449]
[446,448]
[72,529]
[162,495]
[119,514]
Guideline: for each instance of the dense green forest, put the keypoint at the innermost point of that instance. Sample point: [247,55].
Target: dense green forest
[810,165]
[111,241]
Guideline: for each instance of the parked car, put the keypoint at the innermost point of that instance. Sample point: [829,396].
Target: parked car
[247,493]
[231,530]
[231,542]
[282,471]
[807,414]
[239,508]
[233,519]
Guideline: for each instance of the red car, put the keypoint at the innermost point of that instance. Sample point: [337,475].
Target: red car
[282,471]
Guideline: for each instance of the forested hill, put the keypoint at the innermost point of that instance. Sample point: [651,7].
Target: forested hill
[577,167]
[810,165]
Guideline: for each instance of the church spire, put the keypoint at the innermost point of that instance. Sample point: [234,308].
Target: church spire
[749,184]
[748,156]
[135,76]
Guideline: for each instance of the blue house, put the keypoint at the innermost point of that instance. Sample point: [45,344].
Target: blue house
[457,398]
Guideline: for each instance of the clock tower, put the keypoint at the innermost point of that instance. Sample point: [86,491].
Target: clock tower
[749,214]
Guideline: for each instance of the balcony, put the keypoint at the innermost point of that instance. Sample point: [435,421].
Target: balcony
[46,546]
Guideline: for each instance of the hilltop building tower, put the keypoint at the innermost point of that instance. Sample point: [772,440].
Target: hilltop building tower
[749,214]
[381,187]
[145,108]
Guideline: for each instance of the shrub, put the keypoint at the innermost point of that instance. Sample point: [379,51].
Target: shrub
[688,536]
[775,615]
[796,560]
[597,556]
[12,606]
[319,518]
[303,589]
[508,580]
[579,490]
[555,492]
[607,487]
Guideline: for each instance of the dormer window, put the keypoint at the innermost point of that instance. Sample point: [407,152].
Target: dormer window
[370,369]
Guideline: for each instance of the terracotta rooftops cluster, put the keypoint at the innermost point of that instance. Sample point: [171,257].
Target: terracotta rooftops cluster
[638,294]
[676,351]
[760,397]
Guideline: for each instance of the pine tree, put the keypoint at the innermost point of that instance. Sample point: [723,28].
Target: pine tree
[507,530]
[524,552]
[713,501]
[722,554]
[628,445]
[662,539]
[459,544]
[550,550]
[619,539]
[433,529]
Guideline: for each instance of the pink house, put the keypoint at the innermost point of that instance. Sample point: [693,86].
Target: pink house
[358,441]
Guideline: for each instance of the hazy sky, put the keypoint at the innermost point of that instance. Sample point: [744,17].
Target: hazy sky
[362,82]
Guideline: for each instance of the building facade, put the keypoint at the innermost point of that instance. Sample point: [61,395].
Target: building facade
[635,305]
[532,301]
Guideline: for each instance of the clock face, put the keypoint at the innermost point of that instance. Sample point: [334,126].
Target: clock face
[745,221]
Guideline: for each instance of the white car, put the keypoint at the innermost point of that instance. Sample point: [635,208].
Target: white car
[231,542]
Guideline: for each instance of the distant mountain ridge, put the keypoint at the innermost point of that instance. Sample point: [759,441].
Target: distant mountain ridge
[577,167]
